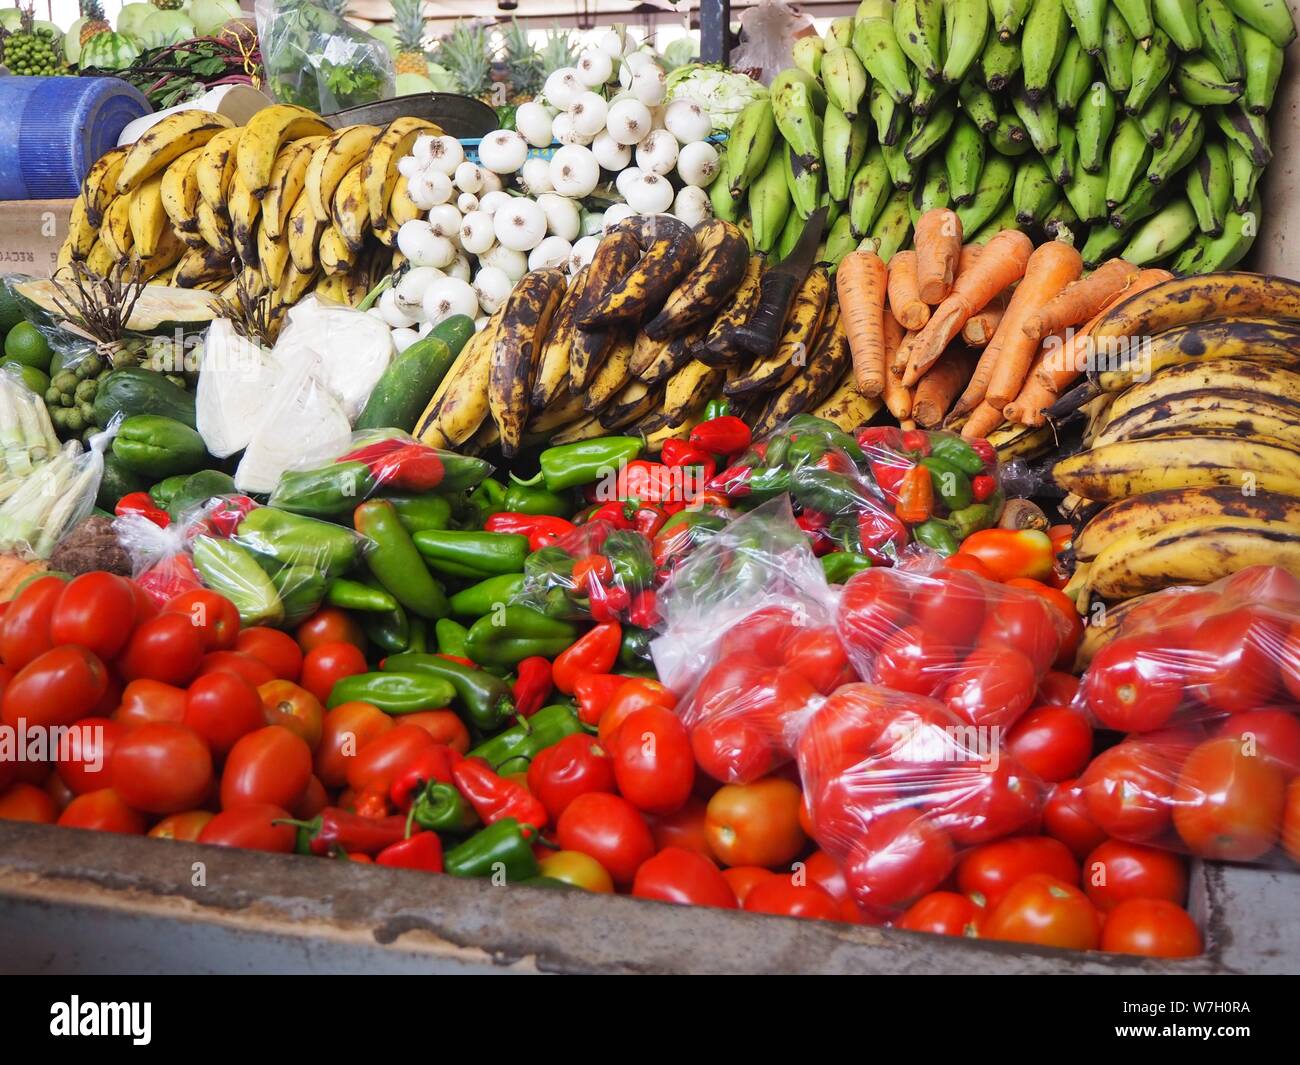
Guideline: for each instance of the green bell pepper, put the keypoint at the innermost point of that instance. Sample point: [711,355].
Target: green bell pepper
[634,649]
[473,554]
[936,534]
[503,849]
[478,599]
[508,636]
[717,408]
[485,699]
[357,595]
[460,472]
[535,499]
[293,539]
[956,452]
[951,485]
[973,518]
[232,571]
[421,513]
[326,492]
[393,559]
[839,566]
[629,555]
[442,808]
[527,740]
[571,465]
[394,693]
[449,636]
[826,491]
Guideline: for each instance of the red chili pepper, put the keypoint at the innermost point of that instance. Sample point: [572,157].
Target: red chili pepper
[542,530]
[680,453]
[532,685]
[881,436]
[607,601]
[982,486]
[595,651]
[724,435]
[889,474]
[594,692]
[915,496]
[495,797]
[649,519]
[917,440]
[836,462]
[336,829]
[878,530]
[224,518]
[429,764]
[732,482]
[649,482]
[411,468]
[615,512]
[370,452]
[815,527]
[675,507]
[643,611]
[372,801]
[984,450]
[142,503]
[422,852]
[460,660]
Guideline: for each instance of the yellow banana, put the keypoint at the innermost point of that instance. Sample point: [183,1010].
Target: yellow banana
[272,254]
[335,255]
[167,252]
[305,232]
[180,192]
[351,218]
[400,207]
[100,260]
[380,167]
[288,177]
[216,168]
[846,406]
[214,228]
[244,210]
[330,162]
[266,131]
[115,230]
[100,183]
[82,234]
[200,266]
[147,218]
[614,373]
[166,141]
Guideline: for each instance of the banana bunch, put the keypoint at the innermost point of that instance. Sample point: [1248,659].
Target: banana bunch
[1192,470]
[1137,128]
[638,342]
[281,206]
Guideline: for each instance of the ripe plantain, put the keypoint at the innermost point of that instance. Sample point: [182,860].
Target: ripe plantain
[722,265]
[615,255]
[305,231]
[826,365]
[553,364]
[719,347]
[797,337]
[668,251]
[215,169]
[613,374]
[244,210]
[330,162]
[524,324]
[100,183]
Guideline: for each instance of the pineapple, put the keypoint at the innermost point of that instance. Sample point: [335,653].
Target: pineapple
[93,12]
[523,63]
[168,5]
[558,52]
[467,53]
[408,21]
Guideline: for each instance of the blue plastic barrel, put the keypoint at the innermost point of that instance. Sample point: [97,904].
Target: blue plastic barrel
[53,129]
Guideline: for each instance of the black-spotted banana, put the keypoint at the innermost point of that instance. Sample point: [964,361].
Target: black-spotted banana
[199,266]
[349,209]
[288,178]
[845,80]
[180,192]
[1268,379]
[1046,33]
[749,144]
[723,260]
[614,373]
[553,363]
[965,28]
[380,165]
[272,253]
[634,401]
[333,252]
[215,168]
[166,141]
[1093,125]
[827,363]
[147,218]
[1117,48]
[460,403]
[668,251]
[795,107]
[81,234]
[1207,411]
[654,361]
[877,46]
[1247,131]
[330,162]
[1262,66]
[992,192]
[115,230]
[796,341]
[1200,83]
[1128,157]
[526,320]
[689,389]
[1209,188]
[401,208]
[615,257]
[304,231]
[1183,139]
[719,347]
[846,406]
[1207,254]
[214,228]
[1151,69]
[844,143]
[244,209]
[100,183]
[918,26]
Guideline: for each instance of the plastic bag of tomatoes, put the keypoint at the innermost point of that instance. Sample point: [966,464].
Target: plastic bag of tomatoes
[897,786]
[979,648]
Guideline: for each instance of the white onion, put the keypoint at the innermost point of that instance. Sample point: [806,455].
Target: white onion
[553,252]
[424,329]
[415,241]
[563,87]
[609,153]
[460,267]
[562,216]
[429,188]
[687,121]
[448,296]
[611,42]
[491,202]
[533,120]
[649,194]
[408,166]
[492,286]
[624,180]
[466,202]
[476,232]
[445,221]
[566,132]
[444,252]
[595,67]
[422,149]
[503,151]
[588,113]
[411,288]
[697,163]
[649,84]
[658,152]
[468,177]
[403,338]
[536,176]
[391,312]
[514,263]
[445,154]
[491,182]
[519,225]
[628,121]
[636,60]
[692,205]
[582,253]
[574,171]
[615,214]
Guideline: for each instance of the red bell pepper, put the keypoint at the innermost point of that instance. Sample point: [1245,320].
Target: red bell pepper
[411,468]
[881,534]
[495,797]
[647,481]
[542,530]
[595,651]
[916,440]
[422,852]
[607,601]
[724,435]
[372,801]
[532,685]
[984,450]
[915,496]
[1012,553]
[223,519]
[142,504]
[615,512]
[680,453]
[649,519]
[596,567]
[427,765]
[887,437]
[732,482]
[594,692]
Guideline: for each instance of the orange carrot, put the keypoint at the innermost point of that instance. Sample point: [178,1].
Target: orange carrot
[978,384]
[939,387]
[861,282]
[898,361]
[982,421]
[1000,263]
[1081,299]
[938,248]
[969,253]
[1052,266]
[897,397]
[979,328]
[1027,408]
[904,301]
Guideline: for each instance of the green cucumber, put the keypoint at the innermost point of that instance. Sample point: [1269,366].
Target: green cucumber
[131,391]
[404,390]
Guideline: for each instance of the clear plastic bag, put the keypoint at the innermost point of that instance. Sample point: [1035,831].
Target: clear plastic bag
[896,787]
[27,436]
[596,572]
[318,60]
[160,560]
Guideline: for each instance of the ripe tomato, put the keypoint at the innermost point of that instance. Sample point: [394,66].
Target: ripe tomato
[653,763]
[150,700]
[253,670]
[756,824]
[25,627]
[346,729]
[1128,790]
[949,607]
[1057,689]
[780,896]
[994,686]
[213,615]
[873,604]
[914,660]
[27,802]
[1069,627]
[1047,912]
[987,873]
[183,826]
[161,768]
[251,827]
[314,799]
[1134,684]
[824,871]
[1290,665]
[1272,733]
[1066,817]
[609,829]
[222,708]
[96,611]
[818,656]
[684,877]
[897,859]
[1154,928]
[580,870]
[55,688]
[578,764]
[271,765]
[1228,805]
[330,662]
[1025,624]
[380,760]
[743,879]
[978,803]
[277,649]
[166,648]
[968,564]
[1235,659]
[1116,871]
[443,725]
[686,828]
[58,791]
[284,703]
[1052,742]
[944,913]
[733,747]
[102,811]
[1291,821]
[632,696]
[330,625]
[764,634]
[85,756]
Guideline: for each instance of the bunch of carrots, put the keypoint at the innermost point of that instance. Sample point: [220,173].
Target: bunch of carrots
[950,334]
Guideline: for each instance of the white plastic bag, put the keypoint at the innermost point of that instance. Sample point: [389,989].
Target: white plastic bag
[767,33]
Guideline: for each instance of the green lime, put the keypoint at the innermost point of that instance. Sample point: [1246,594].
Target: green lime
[11,311]
[25,344]
[33,376]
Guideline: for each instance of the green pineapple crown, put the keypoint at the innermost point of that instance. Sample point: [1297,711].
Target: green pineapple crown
[92,10]
[408,22]
[559,50]
[467,52]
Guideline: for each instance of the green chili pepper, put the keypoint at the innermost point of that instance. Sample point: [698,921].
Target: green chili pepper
[544,729]
[957,452]
[326,492]
[810,423]
[950,484]
[389,631]
[163,492]
[515,765]
[478,599]
[535,499]
[805,450]
[293,539]
[521,633]
[460,472]
[394,560]
[827,491]
[473,554]
[936,534]
[716,408]
[356,595]
[487,499]
[230,570]
[442,808]
[485,698]
[450,637]
[504,848]
[971,519]
[419,641]
[777,449]
[839,566]
[301,588]
[767,482]
[629,554]
[421,513]
[571,465]
[394,693]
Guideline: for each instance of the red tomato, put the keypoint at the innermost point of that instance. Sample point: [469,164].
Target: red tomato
[944,913]
[150,700]
[978,803]
[987,873]
[756,824]
[686,828]
[1116,871]
[914,660]
[1291,821]
[166,648]
[102,811]
[1066,817]
[949,607]
[1052,742]
[684,877]
[253,670]
[1271,586]
[313,800]
[580,870]
[1235,659]
[25,627]
[634,695]
[85,756]
[609,829]
[763,633]
[330,625]
[900,857]
[9,766]
[825,872]
[873,604]
[1069,624]
[818,656]
[380,760]
[330,662]
[781,897]
[183,826]
[1057,689]
[1047,912]
[578,764]
[213,615]
[162,768]
[1271,732]
[95,611]
[653,763]
[968,564]
[1134,684]
[58,791]
[1228,805]
[56,688]
[284,703]
[1290,665]
[994,686]
[222,708]
[1025,624]
[1128,790]
[733,747]
[271,765]
[443,725]
[1154,928]
[347,728]
[27,802]
[251,827]
[744,878]
[277,649]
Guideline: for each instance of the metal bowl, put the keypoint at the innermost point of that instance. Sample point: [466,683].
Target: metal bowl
[459,116]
